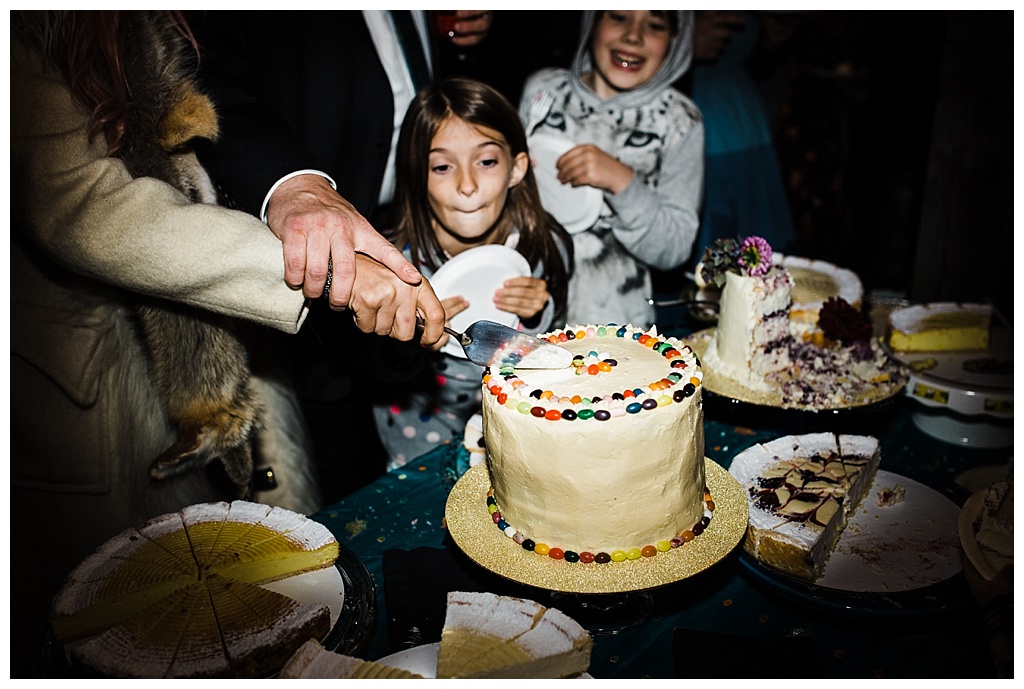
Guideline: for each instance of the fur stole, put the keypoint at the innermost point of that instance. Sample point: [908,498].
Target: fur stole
[199,365]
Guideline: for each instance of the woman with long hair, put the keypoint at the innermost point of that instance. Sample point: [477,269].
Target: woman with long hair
[139,310]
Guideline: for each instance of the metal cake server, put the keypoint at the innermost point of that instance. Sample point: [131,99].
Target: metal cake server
[487,342]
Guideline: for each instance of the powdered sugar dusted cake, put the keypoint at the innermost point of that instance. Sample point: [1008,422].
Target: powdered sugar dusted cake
[802,490]
[752,338]
[602,461]
[313,661]
[492,636]
[176,597]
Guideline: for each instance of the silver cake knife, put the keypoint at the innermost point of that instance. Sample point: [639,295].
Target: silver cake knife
[487,342]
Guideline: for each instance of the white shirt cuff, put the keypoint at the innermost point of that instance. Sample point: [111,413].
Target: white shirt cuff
[266,200]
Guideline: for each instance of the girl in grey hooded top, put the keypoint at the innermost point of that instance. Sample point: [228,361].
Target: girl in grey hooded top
[650,127]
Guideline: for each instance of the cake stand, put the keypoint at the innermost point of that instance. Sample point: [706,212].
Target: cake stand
[966,398]
[604,598]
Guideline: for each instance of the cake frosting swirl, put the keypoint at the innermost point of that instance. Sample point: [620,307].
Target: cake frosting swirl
[605,456]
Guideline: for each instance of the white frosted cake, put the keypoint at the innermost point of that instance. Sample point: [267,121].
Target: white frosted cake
[602,461]
[503,637]
[801,491]
[179,596]
[752,338]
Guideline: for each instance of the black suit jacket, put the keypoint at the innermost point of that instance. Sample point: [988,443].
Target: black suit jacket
[294,90]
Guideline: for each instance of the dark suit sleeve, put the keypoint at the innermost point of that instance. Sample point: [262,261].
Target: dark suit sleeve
[257,146]
[295,91]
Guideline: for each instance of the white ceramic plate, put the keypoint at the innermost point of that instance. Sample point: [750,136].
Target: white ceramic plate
[320,586]
[473,439]
[986,562]
[423,661]
[577,208]
[475,274]
[909,545]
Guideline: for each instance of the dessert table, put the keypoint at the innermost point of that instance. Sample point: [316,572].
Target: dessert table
[731,620]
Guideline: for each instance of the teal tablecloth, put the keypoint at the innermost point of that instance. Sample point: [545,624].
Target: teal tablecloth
[404,509]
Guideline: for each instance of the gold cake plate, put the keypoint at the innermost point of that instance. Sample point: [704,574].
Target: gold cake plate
[474,531]
[728,387]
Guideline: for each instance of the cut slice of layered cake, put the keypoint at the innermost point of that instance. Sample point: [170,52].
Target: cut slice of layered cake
[490,636]
[801,491]
[258,544]
[313,661]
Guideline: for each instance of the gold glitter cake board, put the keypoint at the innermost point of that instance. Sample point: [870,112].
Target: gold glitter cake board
[733,389]
[474,531]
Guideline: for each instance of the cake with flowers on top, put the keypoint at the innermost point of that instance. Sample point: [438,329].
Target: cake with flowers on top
[752,338]
[603,461]
[757,350]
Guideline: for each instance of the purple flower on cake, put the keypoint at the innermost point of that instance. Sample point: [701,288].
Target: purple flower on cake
[755,255]
[752,256]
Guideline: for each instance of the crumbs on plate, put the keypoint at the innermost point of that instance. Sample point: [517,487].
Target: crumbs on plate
[887,497]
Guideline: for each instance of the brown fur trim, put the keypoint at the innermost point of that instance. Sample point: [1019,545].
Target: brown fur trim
[191,116]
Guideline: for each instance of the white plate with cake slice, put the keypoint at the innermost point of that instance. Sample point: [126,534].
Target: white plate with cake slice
[971,382]
[988,561]
[423,661]
[888,548]
[899,553]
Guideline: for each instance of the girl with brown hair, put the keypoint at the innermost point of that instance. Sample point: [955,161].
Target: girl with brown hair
[465,182]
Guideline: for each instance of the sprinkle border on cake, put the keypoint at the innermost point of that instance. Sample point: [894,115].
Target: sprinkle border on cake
[601,558]
[514,393]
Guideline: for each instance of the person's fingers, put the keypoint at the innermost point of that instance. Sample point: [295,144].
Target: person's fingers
[472,27]
[293,249]
[317,264]
[343,271]
[381,250]
[404,322]
[430,310]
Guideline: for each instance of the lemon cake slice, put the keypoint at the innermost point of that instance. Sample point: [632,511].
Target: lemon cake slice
[313,661]
[801,492]
[283,543]
[261,628]
[490,636]
[941,327]
[126,574]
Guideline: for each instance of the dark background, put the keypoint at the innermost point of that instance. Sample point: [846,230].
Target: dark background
[894,131]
